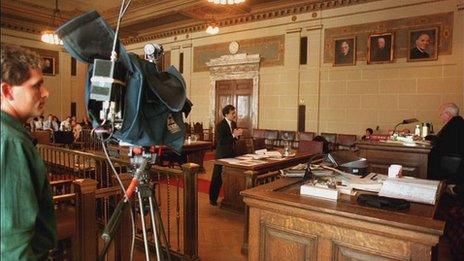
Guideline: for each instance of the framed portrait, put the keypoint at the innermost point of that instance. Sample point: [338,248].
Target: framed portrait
[423,44]
[380,48]
[48,66]
[345,51]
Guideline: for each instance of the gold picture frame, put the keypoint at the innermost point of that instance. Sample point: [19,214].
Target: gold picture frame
[380,48]
[48,65]
[345,51]
[423,44]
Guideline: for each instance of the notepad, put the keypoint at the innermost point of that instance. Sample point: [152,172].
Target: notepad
[411,189]
[320,192]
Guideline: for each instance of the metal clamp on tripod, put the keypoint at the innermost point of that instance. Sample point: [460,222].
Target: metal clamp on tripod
[141,159]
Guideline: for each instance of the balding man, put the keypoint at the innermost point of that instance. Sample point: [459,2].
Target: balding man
[450,140]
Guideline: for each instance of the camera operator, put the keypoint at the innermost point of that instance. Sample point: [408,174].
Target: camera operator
[28,227]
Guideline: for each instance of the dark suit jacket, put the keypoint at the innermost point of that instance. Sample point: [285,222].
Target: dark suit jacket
[415,53]
[450,140]
[224,140]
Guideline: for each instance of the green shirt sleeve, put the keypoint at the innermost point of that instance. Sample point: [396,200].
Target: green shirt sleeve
[28,226]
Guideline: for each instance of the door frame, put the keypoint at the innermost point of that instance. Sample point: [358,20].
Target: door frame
[234,67]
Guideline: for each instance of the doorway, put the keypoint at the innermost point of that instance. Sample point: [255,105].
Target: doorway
[239,93]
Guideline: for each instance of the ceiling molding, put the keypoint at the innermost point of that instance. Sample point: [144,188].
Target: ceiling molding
[254,17]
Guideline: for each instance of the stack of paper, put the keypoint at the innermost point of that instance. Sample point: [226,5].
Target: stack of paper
[318,191]
[411,189]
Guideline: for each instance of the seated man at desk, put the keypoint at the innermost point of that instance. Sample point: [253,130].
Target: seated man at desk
[450,141]
[226,134]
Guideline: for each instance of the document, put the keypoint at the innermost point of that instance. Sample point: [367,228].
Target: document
[319,191]
[411,189]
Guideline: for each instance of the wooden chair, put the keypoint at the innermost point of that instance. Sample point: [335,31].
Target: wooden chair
[43,136]
[271,138]
[188,128]
[259,133]
[243,146]
[310,146]
[302,136]
[331,139]
[286,137]
[259,144]
[198,130]
[346,141]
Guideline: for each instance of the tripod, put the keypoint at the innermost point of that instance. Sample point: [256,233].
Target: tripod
[141,186]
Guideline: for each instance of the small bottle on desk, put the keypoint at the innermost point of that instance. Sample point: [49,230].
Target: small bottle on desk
[417,131]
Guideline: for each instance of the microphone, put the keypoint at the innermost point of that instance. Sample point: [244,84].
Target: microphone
[405,121]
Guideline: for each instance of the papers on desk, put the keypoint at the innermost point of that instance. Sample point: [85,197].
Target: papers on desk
[411,189]
[319,190]
[269,154]
[243,162]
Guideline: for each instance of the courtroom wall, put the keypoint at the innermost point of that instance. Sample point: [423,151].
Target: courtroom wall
[63,87]
[341,99]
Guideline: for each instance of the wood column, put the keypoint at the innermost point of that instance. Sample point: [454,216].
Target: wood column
[86,222]
[190,171]
[123,237]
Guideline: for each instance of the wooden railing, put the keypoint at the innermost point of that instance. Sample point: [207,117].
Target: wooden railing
[175,191]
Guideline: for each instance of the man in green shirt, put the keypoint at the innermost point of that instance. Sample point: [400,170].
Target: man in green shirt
[28,225]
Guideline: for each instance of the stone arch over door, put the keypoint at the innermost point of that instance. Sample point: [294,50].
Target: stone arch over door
[234,67]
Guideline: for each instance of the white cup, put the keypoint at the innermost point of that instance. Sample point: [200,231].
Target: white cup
[394,171]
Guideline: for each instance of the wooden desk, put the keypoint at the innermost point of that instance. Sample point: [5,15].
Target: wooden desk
[380,155]
[238,177]
[286,226]
[195,152]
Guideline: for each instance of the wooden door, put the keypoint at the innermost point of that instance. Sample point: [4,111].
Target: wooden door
[238,93]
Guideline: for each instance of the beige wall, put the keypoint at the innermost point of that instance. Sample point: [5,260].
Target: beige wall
[63,87]
[338,99]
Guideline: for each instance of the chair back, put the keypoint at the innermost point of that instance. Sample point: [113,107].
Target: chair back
[43,137]
[305,136]
[310,146]
[330,137]
[451,168]
[259,133]
[347,141]
[243,146]
[259,144]
[63,137]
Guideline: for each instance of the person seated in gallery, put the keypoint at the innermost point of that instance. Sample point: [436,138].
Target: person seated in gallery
[76,129]
[369,132]
[66,124]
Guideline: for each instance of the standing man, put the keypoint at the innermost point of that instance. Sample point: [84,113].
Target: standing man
[226,134]
[28,226]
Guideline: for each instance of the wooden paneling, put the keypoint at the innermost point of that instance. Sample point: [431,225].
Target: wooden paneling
[288,226]
[283,244]
[381,155]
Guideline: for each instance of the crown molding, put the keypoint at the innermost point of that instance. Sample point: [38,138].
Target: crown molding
[299,8]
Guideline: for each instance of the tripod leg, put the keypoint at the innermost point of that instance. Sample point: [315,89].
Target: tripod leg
[154,205]
[155,230]
[144,229]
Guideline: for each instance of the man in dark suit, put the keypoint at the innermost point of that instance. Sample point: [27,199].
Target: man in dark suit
[226,134]
[382,52]
[450,140]
[419,51]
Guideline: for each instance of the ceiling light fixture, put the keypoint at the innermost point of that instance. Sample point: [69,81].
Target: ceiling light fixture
[49,36]
[212,29]
[226,2]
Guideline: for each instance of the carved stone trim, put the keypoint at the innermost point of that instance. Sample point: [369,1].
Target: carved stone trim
[234,67]
[253,17]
